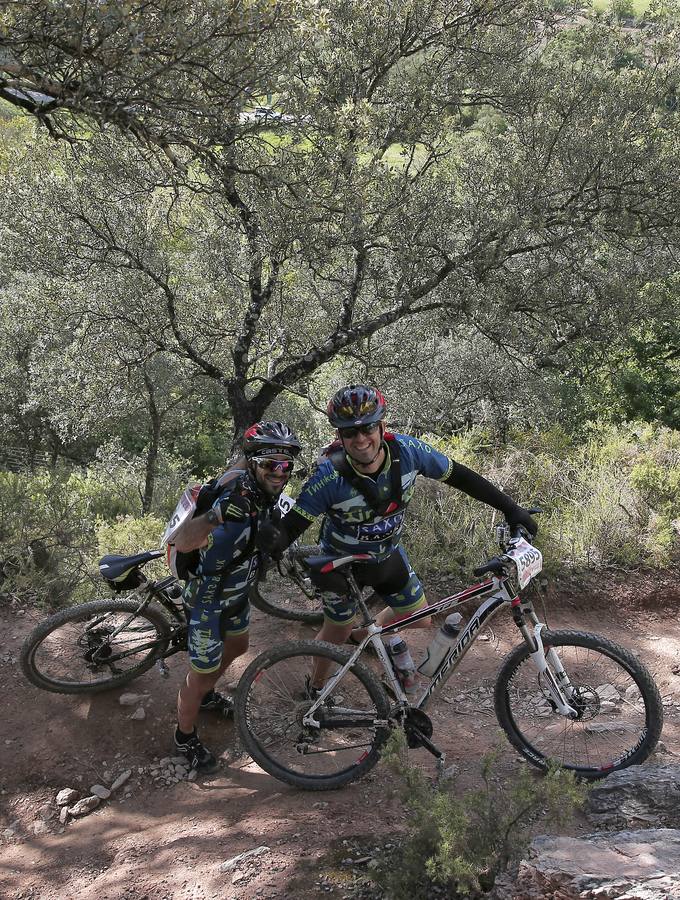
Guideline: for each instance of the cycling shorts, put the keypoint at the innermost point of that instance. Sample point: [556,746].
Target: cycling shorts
[210,624]
[393,579]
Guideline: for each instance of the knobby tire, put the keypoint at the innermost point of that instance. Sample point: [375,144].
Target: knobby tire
[282,598]
[620,709]
[271,699]
[54,657]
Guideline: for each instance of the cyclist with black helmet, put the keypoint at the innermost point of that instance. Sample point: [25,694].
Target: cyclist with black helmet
[217,592]
[362,491]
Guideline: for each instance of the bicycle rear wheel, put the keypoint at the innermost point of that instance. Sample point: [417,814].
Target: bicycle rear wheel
[286,595]
[619,710]
[273,697]
[95,646]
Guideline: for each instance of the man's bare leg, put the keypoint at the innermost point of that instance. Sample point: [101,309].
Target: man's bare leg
[198,684]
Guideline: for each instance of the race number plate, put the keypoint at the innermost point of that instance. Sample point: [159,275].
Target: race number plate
[528,559]
[285,503]
[184,509]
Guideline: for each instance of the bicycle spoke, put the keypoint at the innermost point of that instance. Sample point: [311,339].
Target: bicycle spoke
[87,649]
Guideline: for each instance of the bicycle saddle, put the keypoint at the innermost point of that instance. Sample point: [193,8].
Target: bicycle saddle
[112,566]
[329,563]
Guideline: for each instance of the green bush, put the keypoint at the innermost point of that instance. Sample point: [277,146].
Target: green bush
[55,525]
[461,844]
[44,537]
[622,10]
[610,498]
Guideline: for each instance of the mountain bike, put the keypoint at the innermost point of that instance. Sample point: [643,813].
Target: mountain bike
[569,697]
[106,643]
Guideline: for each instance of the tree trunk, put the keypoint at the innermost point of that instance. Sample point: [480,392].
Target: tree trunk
[154,444]
[244,411]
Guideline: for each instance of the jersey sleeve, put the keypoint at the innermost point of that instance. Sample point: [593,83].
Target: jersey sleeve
[317,493]
[425,459]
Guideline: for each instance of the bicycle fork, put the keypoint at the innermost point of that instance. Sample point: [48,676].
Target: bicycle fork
[559,688]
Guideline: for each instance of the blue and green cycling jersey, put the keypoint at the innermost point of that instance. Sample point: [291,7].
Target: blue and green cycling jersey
[350,524]
[217,579]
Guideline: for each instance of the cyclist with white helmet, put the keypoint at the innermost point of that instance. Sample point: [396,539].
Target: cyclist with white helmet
[217,591]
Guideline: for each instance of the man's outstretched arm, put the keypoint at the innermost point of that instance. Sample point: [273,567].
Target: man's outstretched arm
[479,488]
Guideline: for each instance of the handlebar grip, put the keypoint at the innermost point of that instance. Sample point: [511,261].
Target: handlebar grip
[494,565]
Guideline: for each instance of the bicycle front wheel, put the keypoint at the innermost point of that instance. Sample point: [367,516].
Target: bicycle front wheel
[619,714]
[273,697]
[287,597]
[94,647]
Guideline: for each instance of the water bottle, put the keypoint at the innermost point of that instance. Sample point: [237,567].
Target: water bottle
[403,663]
[440,644]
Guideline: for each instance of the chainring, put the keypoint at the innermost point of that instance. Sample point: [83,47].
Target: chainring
[416,722]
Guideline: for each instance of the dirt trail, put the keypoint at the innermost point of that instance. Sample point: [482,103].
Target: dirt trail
[168,842]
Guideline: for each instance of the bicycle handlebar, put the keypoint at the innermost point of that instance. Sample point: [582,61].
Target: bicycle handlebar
[494,565]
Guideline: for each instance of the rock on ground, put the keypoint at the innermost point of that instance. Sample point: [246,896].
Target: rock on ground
[626,865]
[638,796]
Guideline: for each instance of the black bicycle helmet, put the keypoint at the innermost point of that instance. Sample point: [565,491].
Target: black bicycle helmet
[268,438]
[356,404]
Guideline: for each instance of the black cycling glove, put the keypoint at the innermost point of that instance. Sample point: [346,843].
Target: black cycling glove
[274,538]
[271,540]
[234,508]
[519,516]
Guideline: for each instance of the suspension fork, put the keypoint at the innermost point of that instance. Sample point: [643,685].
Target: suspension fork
[559,687]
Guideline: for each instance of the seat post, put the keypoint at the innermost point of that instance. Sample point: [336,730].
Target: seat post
[357,596]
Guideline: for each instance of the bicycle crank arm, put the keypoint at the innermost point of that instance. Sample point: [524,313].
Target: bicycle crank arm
[429,746]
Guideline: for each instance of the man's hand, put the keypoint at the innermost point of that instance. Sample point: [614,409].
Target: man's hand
[234,508]
[520,516]
[271,540]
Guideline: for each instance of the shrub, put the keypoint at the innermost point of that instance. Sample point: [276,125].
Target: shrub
[611,498]
[622,10]
[55,525]
[461,844]
[44,537]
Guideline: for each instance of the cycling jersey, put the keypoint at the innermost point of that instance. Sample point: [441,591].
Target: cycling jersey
[213,593]
[350,524]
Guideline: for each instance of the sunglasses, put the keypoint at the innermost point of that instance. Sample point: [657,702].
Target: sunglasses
[282,466]
[352,432]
